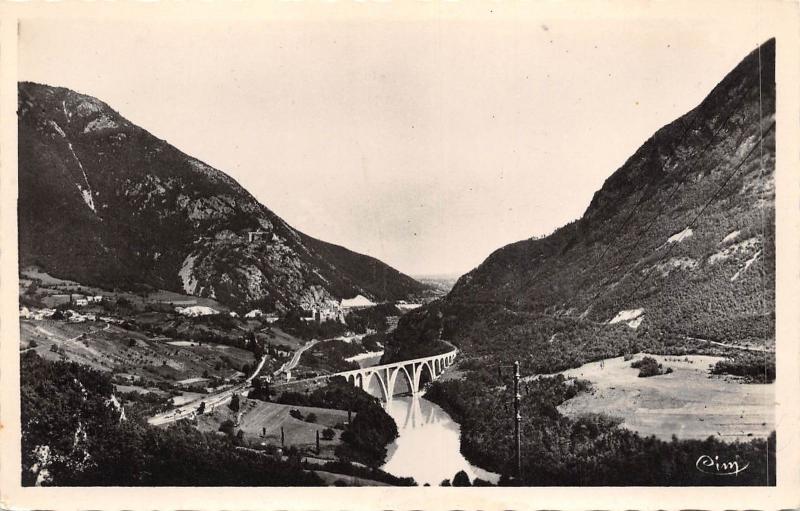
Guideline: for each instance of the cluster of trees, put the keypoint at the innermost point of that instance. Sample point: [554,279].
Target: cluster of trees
[754,367]
[371,318]
[648,366]
[461,479]
[374,342]
[330,356]
[261,390]
[70,429]
[365,438]
[592,450]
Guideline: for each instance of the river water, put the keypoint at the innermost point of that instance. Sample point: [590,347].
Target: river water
[428,445]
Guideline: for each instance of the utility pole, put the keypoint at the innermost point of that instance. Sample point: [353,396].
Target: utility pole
[517,420]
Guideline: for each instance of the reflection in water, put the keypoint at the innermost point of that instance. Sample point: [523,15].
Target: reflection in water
[428,448]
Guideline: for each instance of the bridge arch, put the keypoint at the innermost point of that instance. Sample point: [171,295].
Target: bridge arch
[401,371]
[374,385]
[423,375]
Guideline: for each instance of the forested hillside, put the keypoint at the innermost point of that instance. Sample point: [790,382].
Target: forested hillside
[103,202]
[75,433]
[677,244]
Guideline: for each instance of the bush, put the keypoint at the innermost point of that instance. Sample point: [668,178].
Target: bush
[227,427]
[234,405]
[328,434]
[753,367]
[294,412]
[311,417]
[648,366]
[461,479]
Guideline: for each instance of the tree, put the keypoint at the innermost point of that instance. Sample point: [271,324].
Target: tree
[461,479]
[311,417]
[234,404]
[328,434]
[202,408]
[227,427]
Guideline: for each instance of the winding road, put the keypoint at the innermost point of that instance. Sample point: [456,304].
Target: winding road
[187,410]
[211,401]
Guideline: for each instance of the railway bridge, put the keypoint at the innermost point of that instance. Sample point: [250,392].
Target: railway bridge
[409,376]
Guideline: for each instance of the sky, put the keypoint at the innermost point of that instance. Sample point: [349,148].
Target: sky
[425,144]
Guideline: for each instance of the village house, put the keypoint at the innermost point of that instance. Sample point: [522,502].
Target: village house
[329,310]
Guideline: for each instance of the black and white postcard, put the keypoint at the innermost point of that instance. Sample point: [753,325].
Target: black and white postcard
[546,251]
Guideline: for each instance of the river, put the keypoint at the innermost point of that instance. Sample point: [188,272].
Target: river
[428,445]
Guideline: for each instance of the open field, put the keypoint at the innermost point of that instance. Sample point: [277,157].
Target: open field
[272,416]
[688,402]
[280,339]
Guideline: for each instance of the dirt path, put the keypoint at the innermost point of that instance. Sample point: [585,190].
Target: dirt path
[54,337]
[734,346]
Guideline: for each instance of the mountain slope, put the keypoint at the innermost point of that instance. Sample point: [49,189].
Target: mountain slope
[679,242]
[104,202]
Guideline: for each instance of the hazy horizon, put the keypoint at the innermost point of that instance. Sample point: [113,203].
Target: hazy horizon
[416,143]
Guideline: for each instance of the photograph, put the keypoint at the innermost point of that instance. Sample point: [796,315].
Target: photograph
[447,252]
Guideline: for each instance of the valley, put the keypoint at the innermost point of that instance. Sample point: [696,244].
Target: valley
[169,318]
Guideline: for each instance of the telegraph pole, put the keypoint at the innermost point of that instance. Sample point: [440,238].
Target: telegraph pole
[517,420]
